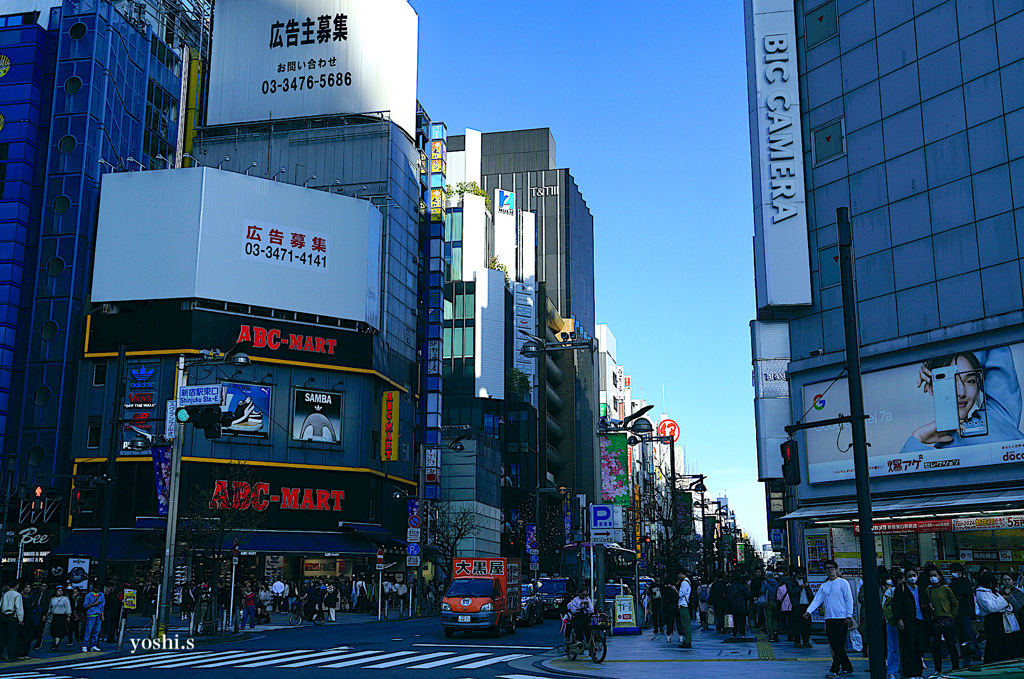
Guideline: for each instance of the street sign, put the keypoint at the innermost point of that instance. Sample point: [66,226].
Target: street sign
[200,395]
[413,549]
[380,557]
[234,560]
[534,566]
[129,599]
[414,522]
[412,561]
[531,537]
[534,558]
[380,566]
[606,536]
[170,421]
[412,534]
[605,516]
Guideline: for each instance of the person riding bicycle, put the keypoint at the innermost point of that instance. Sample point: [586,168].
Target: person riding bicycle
[580,609]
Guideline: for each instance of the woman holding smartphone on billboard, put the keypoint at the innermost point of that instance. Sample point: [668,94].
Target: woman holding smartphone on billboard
[977,398]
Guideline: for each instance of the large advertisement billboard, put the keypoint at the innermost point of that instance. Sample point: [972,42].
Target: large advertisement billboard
[272,59]
[614,469]
[218,235]
[950,412]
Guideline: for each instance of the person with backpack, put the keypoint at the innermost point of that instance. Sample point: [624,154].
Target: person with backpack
[703,603]
[892,631]
[786,582]
[770,591]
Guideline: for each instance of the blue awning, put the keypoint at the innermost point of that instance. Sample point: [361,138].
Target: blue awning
[302,542]
[123,544]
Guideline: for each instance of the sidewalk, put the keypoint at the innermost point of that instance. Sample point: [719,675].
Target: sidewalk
[713,655]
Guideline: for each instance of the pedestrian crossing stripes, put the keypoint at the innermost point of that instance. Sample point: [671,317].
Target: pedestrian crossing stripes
[375,659]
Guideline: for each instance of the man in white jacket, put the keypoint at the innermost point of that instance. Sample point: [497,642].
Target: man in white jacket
[12,617]
[836,597]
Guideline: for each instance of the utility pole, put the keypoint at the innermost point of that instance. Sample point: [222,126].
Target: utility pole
[868,561]
[167,588]
[112,453]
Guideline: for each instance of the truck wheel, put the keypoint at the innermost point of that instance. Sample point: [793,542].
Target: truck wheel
[449,633]
[496,630]
[512,626]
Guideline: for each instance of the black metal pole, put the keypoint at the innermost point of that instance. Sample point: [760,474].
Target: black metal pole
[672,480]
[868,562]
[112,453]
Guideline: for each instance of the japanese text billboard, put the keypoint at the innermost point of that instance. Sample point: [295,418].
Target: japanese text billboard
[614,468]
[947,413]
[221,235]
[274,59]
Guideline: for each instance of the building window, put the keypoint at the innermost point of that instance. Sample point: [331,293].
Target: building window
[820,24]
[828,142]
[99,375]
[828,266]
[93,437]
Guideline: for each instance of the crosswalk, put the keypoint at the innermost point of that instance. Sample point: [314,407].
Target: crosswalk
[50,675]
[343,656]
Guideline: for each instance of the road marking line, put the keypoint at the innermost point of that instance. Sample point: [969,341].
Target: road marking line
[492,661]
[276,658]
[402,661]
[231,658]
[360,661]
[521,676]
[100,663]
[183,661]
[317,658]
[501,648]
[135,661]
[448,661]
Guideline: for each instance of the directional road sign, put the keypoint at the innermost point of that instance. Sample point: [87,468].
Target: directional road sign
[200,395]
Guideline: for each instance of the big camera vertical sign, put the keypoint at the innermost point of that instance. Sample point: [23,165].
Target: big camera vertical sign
[781,259]
[389,426]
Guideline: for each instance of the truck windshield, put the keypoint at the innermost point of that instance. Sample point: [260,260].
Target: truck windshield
[553,586]
[470,588]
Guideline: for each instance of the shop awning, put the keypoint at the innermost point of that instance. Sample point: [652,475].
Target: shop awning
[302,542]
[950,503]
[123,544]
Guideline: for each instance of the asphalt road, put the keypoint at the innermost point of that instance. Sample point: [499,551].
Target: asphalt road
[373,651]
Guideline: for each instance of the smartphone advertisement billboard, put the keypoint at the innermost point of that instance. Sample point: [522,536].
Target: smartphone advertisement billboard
[949,412]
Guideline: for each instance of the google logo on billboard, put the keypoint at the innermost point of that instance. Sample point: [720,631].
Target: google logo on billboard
[819,402]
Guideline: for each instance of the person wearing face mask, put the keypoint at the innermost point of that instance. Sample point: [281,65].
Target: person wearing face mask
[1015,597]
[800,597]
[941,608]
[1000,623]
[909,616]
[892,633]
[964,592]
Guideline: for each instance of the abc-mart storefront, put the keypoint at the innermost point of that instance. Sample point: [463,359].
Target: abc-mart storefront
[294,522]
[946,459]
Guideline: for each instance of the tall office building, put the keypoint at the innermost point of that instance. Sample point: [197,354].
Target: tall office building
[910,114]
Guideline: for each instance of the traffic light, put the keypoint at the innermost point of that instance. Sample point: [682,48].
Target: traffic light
[208,418]
[790,462]
[37,496]
[83,501]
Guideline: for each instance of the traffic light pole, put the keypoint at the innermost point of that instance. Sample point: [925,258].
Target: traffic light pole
[112,453]
[868,561]
[167,589]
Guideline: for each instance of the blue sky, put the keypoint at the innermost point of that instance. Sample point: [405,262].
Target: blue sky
[647,103]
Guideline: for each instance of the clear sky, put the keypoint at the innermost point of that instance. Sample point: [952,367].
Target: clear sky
[647,103]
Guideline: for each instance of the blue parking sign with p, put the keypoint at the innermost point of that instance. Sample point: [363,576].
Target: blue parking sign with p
[602,516]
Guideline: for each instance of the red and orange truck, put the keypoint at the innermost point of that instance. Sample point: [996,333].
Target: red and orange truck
[484,595]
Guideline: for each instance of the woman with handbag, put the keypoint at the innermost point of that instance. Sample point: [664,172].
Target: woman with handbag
[1015,597]
[1000,622]
[942,609]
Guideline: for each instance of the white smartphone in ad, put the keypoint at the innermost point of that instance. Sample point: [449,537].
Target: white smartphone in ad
[947,417]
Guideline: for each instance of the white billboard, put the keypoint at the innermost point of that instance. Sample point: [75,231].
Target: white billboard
[274,59]
[210,234]
[781,254]
[948,413]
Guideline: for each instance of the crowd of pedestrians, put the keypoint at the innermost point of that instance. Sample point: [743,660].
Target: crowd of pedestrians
[924,613]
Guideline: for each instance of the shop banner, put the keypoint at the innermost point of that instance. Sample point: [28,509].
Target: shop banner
[316,416]
[989,523]
[162,472]
[948,413]
[614,469]
[901,527]
[389,426]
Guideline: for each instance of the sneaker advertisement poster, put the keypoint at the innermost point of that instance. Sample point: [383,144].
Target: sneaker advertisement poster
[249,405]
